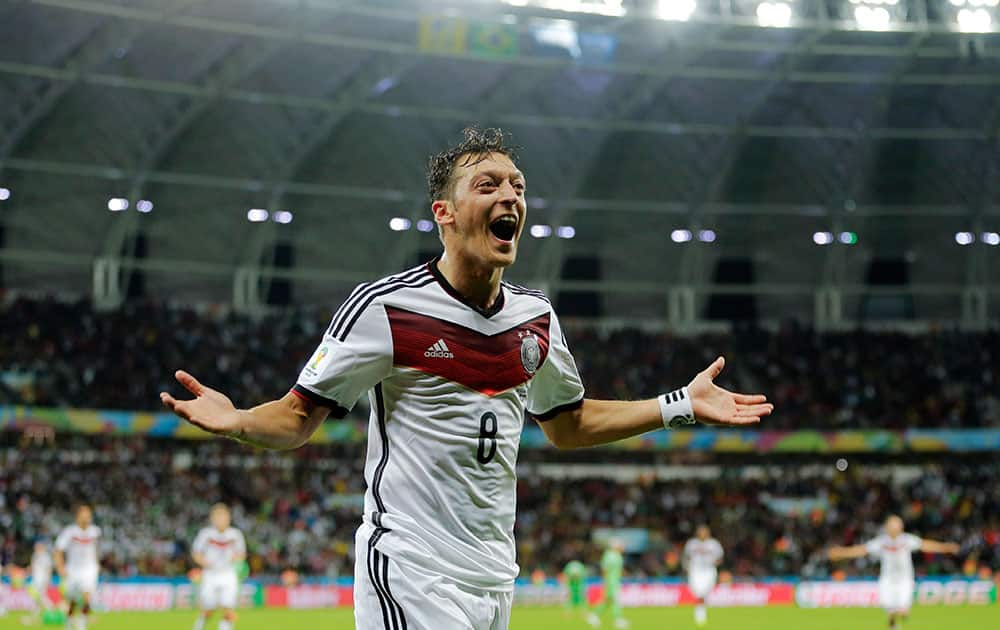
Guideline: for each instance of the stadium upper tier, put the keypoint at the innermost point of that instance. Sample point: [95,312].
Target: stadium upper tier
[299,510]
[67,354]
[207,149]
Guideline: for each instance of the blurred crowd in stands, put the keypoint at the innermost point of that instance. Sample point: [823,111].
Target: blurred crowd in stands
[66,354]
[299,510]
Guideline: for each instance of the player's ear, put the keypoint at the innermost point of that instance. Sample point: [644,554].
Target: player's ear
[444,212]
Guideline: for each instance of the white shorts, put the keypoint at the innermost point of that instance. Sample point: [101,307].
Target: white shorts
[81,582]
[218,591]
[393,596]
[702,581]
[896,595]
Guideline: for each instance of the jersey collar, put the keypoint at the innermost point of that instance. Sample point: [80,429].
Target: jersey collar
[432,266]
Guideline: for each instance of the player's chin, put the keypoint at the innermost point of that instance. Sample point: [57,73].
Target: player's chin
[502,254]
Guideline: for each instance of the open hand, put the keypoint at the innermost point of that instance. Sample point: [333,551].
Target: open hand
[714,405]
[210,410]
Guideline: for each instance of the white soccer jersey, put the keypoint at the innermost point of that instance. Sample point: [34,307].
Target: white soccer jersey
[80,547]
[449,385]
[41,567]
[220,550]
[895,555]
[702,555]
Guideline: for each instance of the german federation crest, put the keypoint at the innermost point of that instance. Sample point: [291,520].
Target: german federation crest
[531,352]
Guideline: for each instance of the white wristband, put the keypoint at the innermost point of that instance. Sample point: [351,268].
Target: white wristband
[675,409]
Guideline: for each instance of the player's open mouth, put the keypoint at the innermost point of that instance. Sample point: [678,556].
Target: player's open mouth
[504,227]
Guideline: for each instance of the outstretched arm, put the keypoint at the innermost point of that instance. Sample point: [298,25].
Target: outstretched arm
[933,546]
[847,553]
[602,421]
[285,423]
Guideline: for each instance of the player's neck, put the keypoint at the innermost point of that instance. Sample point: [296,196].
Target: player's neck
[479,285]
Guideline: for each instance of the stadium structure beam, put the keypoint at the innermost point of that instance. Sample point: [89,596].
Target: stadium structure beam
[220,182]
[829,305]
[462,115]
[353,91]
[227,68]
[89,52]
[550,263]
[224,25]
[193,267]
[978,279]
[692,268]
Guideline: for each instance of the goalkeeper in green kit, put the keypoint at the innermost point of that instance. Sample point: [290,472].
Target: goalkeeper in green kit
[612,564]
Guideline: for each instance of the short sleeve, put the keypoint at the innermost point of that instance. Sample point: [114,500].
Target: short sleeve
[914,542]
[556,386]
[62,542]
[241,543]
[719,553]
[198,546]
[874,545]
[353,356]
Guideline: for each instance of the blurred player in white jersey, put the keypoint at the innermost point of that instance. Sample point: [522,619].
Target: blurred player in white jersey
[702,556]
[894,549]
[218,550]
[41,577]
[78,565]
[452,359]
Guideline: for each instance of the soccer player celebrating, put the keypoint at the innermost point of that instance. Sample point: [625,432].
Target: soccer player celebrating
[702,555]
[452,357]
[612,566]
[218,550]
[78,566]
[575,575]
[894,549]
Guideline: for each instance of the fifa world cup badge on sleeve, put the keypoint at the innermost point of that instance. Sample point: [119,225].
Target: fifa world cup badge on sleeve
[317,359]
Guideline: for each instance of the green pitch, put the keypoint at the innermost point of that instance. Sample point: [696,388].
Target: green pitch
[928,618]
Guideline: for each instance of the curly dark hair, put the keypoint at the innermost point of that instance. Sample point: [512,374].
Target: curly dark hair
[474,147]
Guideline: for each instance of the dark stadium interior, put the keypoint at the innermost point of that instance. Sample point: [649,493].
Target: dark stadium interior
[199,184]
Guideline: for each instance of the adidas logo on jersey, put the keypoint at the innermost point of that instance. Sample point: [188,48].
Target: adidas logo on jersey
[439,351]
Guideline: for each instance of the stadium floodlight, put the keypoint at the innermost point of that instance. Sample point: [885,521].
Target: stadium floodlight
[257,215]
[990,238]
[776,14]
[848,238]
[822,238]
[144,206]
[4,194]
[283,216]
[872,18]
[541,231]
[117,204]
[599,7]
[974,20]
[964,238]
[424,225]
[706,236]
[399,224]
[676,10]
[565,231]
[680,236]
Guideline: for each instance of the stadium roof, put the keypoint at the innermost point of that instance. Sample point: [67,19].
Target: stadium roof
[647,137]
